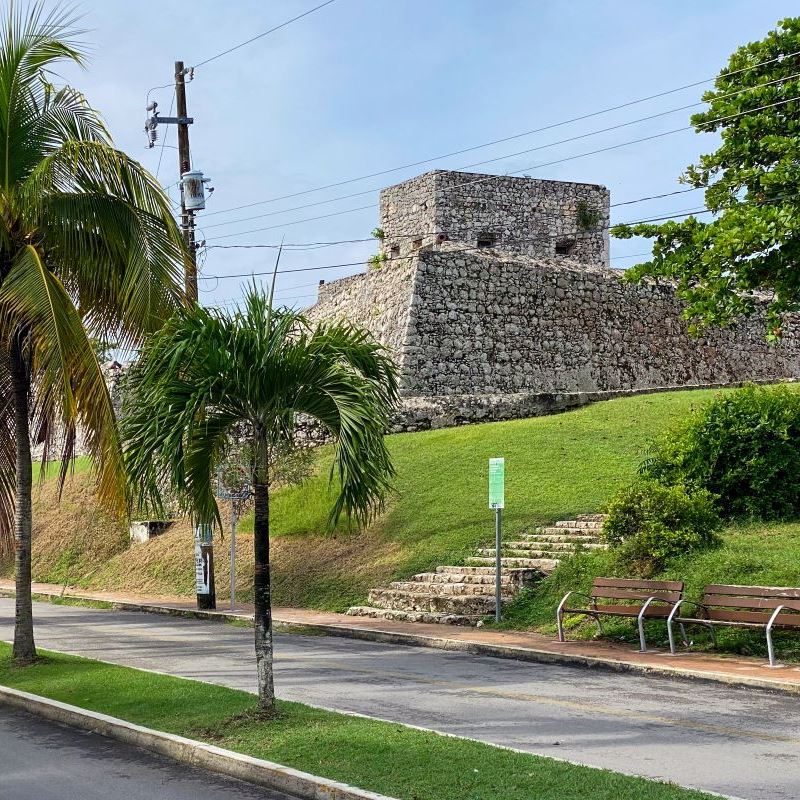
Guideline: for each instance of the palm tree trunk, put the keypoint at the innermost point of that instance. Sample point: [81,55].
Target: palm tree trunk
[24,651]
[261,598]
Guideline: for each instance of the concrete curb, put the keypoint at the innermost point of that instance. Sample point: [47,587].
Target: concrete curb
[188,751]
[515,652]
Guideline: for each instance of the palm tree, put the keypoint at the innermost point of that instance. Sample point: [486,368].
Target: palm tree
[88,248]
[211,375]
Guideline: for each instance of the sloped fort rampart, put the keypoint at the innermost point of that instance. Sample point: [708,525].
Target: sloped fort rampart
[493,314]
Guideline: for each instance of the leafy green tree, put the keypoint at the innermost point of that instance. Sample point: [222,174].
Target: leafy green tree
[743,446]
[88,250]
[209,374]
[751,185]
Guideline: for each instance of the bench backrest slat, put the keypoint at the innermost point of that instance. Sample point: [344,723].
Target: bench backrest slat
[762,603]
[752,604]
[636,583]
[636,590]
[633,594]
[753,617]
[753,591]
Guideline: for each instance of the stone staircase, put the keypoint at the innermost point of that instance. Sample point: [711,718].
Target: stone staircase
[463,595]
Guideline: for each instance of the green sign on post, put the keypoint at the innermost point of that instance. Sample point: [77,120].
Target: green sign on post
[497,501]
[497,482]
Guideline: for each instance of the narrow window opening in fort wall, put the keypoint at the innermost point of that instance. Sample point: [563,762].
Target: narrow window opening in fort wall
[531,320]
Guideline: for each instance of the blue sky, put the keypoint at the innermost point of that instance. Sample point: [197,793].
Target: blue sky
[366,85]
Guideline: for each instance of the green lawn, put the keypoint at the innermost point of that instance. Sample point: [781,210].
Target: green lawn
[556,466]
[383,757]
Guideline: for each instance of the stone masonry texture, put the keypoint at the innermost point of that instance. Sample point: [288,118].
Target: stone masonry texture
[515,330]
[523,215]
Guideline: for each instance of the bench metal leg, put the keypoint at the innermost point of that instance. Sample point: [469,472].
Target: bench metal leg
[685,638]
[640,623]
[770,646]
[560,617]
[599,624]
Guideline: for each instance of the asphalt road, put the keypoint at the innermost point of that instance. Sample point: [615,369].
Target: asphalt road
[739,742]
[41,760]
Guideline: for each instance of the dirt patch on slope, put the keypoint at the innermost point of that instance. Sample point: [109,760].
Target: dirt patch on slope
[76,543]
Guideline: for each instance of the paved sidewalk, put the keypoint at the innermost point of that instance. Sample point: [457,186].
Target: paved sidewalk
[520,645]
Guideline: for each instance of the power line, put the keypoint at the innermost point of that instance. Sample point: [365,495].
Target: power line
[485,178]
[462,250]
[576,138]
[320,245]
[262,35]
[502,140]
[673,215]
[164,137]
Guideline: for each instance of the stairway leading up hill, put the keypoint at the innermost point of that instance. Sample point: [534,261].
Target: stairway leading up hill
[463,595]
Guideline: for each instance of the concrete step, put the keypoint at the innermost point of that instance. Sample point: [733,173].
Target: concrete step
[470,569]
[567,547]
[539,535]
[545,565]
[560,530]
[437,604]
[460,577]
[507,552]
[449,589]
[414,616]
[592,517]
[587,525]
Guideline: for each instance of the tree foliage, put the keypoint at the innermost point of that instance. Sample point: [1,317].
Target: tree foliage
[88,250]
[752,243]
[744,446]
[210,376]
[649,523]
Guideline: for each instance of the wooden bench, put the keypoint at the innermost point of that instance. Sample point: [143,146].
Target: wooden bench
[742,606]
[625,597]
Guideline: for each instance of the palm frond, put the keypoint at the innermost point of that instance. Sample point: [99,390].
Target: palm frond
[206,371]
[70,386]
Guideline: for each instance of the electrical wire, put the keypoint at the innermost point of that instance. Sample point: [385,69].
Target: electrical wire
[576,138]
[262,35]
[462,250]
[504,139]
[164,138]
[298,246]
[673,215]
[484,178]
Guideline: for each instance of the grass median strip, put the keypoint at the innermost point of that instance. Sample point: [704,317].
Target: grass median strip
[380,756]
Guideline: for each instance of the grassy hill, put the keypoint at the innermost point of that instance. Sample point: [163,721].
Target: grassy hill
[556,466]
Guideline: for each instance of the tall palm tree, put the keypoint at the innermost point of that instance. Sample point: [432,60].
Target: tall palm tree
[210,375]
[88,248]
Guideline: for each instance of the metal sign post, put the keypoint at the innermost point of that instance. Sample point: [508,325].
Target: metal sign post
[497,501]
[237,499]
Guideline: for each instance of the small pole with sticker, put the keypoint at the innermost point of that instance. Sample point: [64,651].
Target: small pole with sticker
[497,501]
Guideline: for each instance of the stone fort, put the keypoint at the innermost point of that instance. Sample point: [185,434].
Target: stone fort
[496,297]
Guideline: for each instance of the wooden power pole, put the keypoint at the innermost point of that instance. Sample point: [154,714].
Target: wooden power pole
[184,165]
[204,544]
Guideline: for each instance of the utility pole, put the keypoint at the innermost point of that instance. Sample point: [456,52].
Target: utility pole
[184,165]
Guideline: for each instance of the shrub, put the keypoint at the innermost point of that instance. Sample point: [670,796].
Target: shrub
[744,447]
[648,524]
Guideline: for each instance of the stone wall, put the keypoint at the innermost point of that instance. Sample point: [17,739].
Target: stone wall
[378,300]
[484,335]
[525,215]
[492,323]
